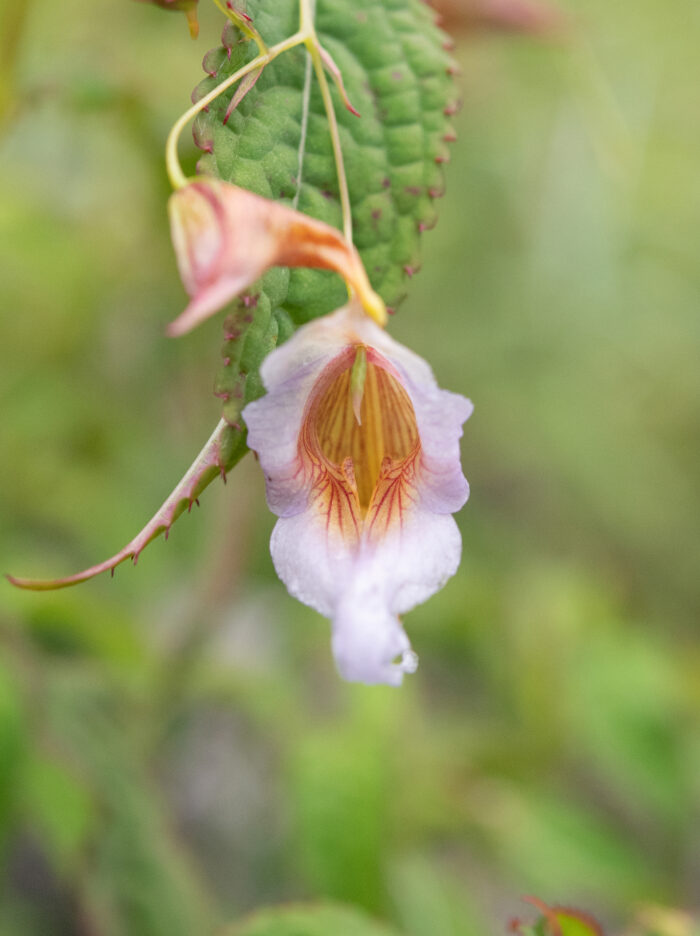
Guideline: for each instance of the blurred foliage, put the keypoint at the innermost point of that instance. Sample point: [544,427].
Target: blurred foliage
[557,921]
[175,747]
[310,921]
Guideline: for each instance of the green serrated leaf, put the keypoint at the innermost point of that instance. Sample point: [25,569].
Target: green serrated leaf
[251,331]
[310,921]
[276,143]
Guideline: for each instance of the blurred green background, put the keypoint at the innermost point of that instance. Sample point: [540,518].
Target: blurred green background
[175,746]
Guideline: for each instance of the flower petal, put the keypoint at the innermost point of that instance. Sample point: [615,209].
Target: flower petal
[364,591]
[274,421]
[226,237]
[361,559]
[401,572]
[440,415]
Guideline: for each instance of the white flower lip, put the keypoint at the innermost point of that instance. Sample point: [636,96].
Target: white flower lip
[365,531]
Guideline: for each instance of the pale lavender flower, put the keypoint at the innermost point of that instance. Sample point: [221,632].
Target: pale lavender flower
[360,450]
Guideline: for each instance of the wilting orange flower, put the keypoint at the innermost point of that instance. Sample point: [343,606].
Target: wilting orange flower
[225,238]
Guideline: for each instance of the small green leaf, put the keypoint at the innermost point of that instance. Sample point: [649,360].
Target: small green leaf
[576,923]
[560,921]
[324,920]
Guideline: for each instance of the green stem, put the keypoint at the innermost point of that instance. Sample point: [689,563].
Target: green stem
[306,35]
[245,27]
[306,25]
[312,46]
[172,163]
[13,19]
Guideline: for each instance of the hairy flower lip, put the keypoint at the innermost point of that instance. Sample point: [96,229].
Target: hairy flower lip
[326,546]
[226,238]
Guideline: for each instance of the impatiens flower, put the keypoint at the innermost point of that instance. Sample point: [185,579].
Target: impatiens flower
[360,450]
[225,238]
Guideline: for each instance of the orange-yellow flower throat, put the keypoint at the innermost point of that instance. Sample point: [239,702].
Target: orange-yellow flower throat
[360,449]
[360,412]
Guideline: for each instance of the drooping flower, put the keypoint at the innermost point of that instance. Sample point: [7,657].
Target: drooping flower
[360,450]
[226,237]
